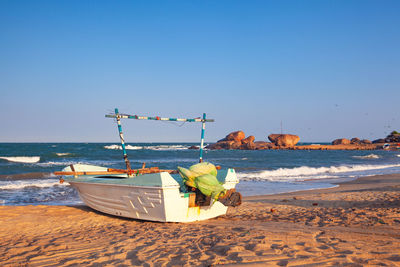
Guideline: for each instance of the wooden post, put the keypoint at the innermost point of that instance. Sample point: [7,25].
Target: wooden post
[203,127]
[121,136]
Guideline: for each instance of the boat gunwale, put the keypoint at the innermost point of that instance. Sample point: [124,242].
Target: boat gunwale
[126,185]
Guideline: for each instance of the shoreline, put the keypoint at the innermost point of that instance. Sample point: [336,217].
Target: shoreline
[356,223]
[367,182]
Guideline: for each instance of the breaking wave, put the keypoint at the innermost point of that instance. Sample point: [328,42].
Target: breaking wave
[33,192]
[15,185]
[304,172]
[157,147]
[129,147]
[56,163]
[63,154]
[22,159]
[167,147]
[66,163]
[370,156]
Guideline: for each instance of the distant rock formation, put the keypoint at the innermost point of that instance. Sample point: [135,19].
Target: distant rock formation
[238,140]
[248,146]
[225,145]
[237,136]
[393,137]
[357,141]
[234,140]
[341,141]
[285,140]
[260,145]
[249,139]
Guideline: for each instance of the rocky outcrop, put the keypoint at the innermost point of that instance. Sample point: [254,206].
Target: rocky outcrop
[237,136]
[225,145]
[341,141]
[273,137]
[285,140]
[357,141]
[235,140]
[249,139]
[248,146]
[260,145]
[393,137]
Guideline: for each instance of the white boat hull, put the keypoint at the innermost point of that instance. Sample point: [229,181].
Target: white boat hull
[154,197]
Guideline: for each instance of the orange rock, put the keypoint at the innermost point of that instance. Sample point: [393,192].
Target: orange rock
[237,136]
[341,141]
[235,145]
[366,141]
[225,145]
[249,139]
[260,145]
[285,140]
[248,146]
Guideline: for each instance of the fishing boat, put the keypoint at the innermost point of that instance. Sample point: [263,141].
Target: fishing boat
[149,193]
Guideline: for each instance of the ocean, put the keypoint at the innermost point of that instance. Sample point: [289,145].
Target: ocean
[26,168]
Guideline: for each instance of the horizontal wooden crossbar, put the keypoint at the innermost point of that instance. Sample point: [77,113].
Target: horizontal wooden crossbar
[156,118]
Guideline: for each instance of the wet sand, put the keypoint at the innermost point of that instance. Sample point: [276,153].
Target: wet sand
[355,224]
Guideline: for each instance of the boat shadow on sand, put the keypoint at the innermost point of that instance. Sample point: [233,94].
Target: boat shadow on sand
[87,209]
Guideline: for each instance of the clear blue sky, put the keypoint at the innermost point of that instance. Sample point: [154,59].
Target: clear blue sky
[326,69]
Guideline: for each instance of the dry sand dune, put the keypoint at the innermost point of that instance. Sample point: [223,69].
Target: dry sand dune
[355,224]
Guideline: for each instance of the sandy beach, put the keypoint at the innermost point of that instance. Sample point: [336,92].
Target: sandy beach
[354,224]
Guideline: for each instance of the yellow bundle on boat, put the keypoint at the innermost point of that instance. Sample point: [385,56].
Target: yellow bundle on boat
[209,186]
[203,176]
[204,168]
[188,176]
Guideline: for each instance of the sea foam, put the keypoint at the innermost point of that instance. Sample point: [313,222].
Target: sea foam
[22,159]
[304,172]
[56,163]
[166,147]
[15,185]
[370,156]
[157,147]
[129,147]
[63,154]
